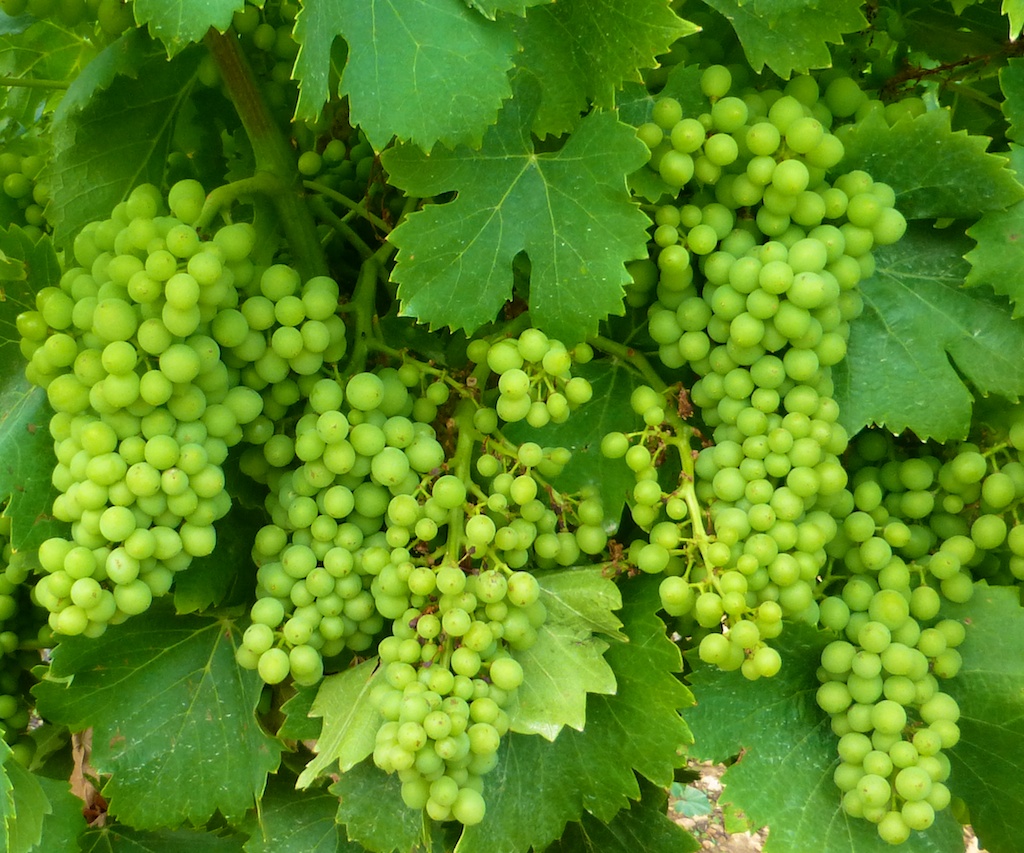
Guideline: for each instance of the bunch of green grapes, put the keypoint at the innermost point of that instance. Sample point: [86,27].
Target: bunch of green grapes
[110,17]
[926,523]
[535,382]
[23,196]
[757,264]
[265,32]
[132,351]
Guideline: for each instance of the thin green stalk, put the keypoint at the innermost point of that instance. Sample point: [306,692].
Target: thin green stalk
[271,150]
[319,206]
[33,83]
[634,357]
[356,207]
[364,308]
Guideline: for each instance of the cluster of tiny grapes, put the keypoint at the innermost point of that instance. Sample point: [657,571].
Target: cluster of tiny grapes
[535,382]
[755,275]
[265,31]
[24,191]
[346,168]
[377,528]
[925,524]
[110,18]
[141,349]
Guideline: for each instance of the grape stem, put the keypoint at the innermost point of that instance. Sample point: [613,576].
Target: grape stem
[264,183]
[33,83]
[460,467]
[356,208]
[271,150]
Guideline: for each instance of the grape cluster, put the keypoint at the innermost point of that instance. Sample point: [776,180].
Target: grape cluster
[535,382]
[756,273]
[152,372]
[922,528]
[25,194]
[111,17]
[265,31]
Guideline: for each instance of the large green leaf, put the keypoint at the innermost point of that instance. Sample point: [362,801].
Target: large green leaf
[424,70]
[566,662]
[31,808]
[783,778]
[961,180]
[113,130]
[791,35]
[990,691]
[350,720]
[172,717]
[568,210]
[645,826]
[64,822]
[177,23]
[922,337]
[996,260]
[298,822]
[123,839]
[43,51]
[582,51]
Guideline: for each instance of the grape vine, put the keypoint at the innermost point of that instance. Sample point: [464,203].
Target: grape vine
[435,427]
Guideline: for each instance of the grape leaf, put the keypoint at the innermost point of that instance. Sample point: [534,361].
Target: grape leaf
[996,260]
[177,23]
[566,663]
[988,689]
[490,8]
[425,71]
[962,182]
[65,822]
[294,822]
[172,716]
[608,410]
[1011,81]
[124,839]
[644,826]
[138,92]
[350,720]
[1014,10]
[31,808]
[373,811]
[540,785]
[298,725]
[582,51]
[568,210]
[790,35]
[43,51]
[783,778]
[8,813]
[917,320]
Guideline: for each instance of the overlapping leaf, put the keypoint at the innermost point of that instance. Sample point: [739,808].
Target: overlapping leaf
[986,765]
[997,259]
[31,807]
[177,23]
[582,51]
[172,717]
[568,210]
[299,822]
[64,822]
[113,130]
[566,663]
[783,778]
[124,839]
[425,70]
[350,720]
[539,786]
[1011,81]
[791,35]
[1014,10]
[922,338]
[373,812]
[491,8]
[936,172]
